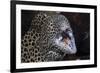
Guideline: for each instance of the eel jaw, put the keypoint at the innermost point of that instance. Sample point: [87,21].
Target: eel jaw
[67,45]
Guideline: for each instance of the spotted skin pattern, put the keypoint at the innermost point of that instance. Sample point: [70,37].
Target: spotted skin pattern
[45,41]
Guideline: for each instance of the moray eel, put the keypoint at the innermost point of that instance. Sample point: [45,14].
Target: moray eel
[49,38]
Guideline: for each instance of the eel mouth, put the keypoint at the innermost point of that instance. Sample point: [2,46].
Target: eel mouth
[66,42]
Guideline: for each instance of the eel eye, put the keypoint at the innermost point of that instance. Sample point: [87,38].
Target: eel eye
[65,35]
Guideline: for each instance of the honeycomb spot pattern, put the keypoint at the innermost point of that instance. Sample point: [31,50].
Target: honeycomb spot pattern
[38,44]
